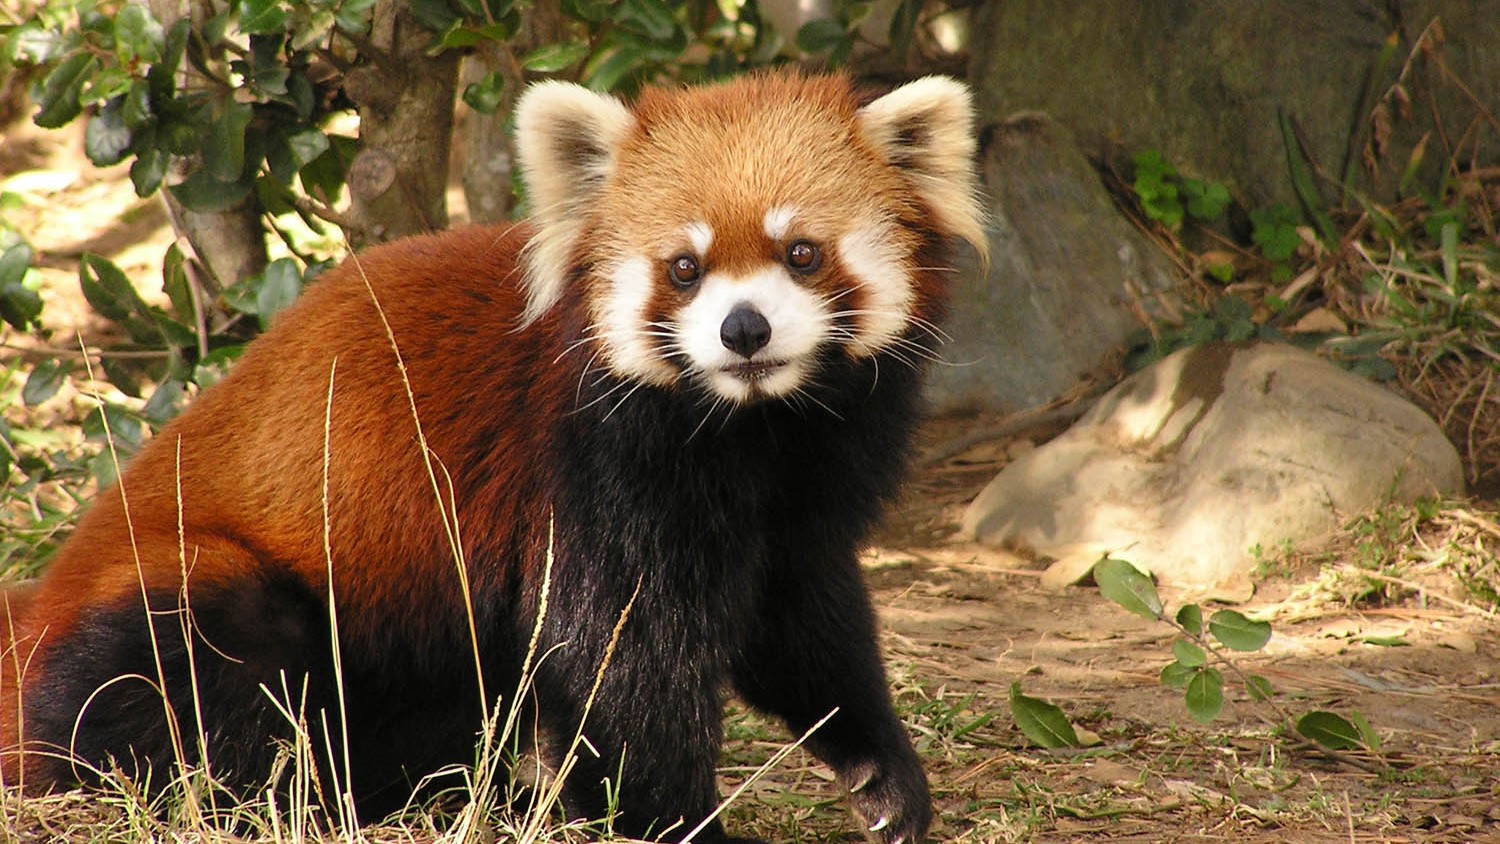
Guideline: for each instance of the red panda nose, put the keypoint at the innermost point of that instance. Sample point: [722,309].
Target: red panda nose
[744,331]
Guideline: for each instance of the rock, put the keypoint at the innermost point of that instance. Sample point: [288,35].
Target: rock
[1056,303]
[1188,464]
[1204,82]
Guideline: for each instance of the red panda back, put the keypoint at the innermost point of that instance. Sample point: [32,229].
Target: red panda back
[699,363]
[246,459]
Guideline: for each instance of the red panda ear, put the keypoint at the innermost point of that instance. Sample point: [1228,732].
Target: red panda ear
[926,129]
[566,139]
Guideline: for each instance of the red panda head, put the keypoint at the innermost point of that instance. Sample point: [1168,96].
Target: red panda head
[730,236]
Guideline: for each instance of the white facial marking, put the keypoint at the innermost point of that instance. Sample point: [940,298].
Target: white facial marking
[628,340]
[701,236]
[799,322]
[879,267]
[778,221]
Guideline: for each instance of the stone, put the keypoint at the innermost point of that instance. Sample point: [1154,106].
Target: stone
[1066,275]
[1204,83]
[1187,465]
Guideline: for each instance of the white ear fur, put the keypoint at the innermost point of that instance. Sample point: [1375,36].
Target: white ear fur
[566,139]
[926,128]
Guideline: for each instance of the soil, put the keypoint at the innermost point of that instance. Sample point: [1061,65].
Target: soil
[963,623]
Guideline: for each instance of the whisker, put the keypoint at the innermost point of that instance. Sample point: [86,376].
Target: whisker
[624,398]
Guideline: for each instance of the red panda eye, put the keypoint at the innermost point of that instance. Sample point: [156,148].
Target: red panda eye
[803,257]
[684,270]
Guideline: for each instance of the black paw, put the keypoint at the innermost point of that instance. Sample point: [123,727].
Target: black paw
[891,799]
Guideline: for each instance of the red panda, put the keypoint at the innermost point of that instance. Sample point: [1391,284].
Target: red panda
[687,385]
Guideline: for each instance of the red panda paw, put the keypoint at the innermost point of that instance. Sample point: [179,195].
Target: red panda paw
[891,799]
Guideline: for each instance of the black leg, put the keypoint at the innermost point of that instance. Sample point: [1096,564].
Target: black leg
[655,723]
[242,635]
[817,652]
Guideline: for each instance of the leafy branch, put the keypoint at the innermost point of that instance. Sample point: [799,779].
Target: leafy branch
[1204,646]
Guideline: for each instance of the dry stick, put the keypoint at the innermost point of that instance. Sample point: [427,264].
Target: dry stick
[775,760]
[185,622]
[450,517]
[553,792]
[1286,717]
[83,352]
[1427,593]
[174,731]
[349,818]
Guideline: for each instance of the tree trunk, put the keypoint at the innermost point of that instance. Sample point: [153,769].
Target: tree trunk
[488,152]
[227,245]
[405,99]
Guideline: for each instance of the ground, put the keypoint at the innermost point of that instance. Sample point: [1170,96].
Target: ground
[1419,659]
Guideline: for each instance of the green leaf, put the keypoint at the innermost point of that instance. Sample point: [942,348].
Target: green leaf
[353,16]
[138,35]
[1259,687]
[593,11]
[19,306]
[1040,721]
[14,262]
[1175,675]
[45,380]
[903,26]
[606,71]
[61,89]
[1302,180]
[555,57]
[306,146]
[1190,616]
[135,106]
[1127,586]
[174,283]
[260,17]
[1189,654]
[224,147]
[106,138]
[486,95]
[1274,230]
[148,170]
[1206,201]
[123,428]
[166,402]
[276,288]
[215,365]
[820,36]
[1330,730]
[434,14]
[652,18]
[107,289]
[200,191]
[1367,733]
[1238,632]
[1204,696]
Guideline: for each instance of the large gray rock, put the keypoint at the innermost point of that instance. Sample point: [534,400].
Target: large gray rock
[1203,80]
[1186,465]
[1065,272]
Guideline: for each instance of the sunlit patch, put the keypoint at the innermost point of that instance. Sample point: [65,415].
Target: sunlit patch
[880,269]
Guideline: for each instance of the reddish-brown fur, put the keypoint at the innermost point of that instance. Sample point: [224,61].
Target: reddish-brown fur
[730,521]
[250,473]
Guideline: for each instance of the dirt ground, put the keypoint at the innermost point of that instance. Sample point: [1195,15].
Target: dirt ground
[963,623]
[968,620]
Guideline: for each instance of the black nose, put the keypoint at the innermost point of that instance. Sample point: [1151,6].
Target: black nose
[744,331]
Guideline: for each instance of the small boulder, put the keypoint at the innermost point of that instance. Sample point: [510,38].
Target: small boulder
[1067,275]
[1185,466]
